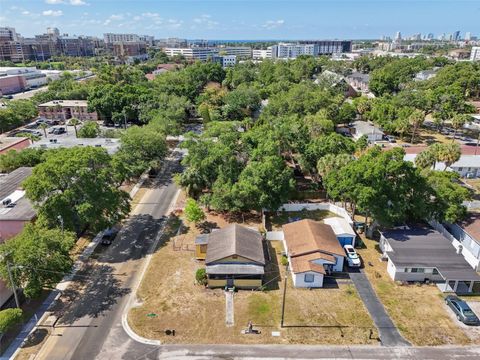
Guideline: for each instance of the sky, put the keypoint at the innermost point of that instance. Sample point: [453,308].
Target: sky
[243,19]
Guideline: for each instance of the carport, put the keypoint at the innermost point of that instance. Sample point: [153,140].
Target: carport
[464,281]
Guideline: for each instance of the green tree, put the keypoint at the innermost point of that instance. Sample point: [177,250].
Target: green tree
[193,212]
[9,318]
[90,129]
[74,122]
[448,154]
[81,185]
[458,121]
[140,148]
[449,196]
[426,159]
[14,159]
[416,119]
[44,127]
[332,163]
[41,258]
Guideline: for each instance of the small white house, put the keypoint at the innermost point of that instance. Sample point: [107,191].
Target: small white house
[313,251]
[342,229]
[372,132]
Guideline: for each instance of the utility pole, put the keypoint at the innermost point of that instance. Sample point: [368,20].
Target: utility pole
[12,283]
[60,219]
[478,141]
[284,294]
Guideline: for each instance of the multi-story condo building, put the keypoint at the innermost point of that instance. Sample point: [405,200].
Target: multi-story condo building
[8,34]
[292,51]
[241,52]
[475,53]
[329,47]
[124,49]
[197,53]
[112,38]
[259,54]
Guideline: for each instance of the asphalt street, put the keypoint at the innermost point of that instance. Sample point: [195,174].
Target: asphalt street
[91,327]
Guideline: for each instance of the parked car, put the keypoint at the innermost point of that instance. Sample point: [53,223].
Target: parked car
[33,132]
[390,138]
[462,310]
[57,131]
[108,236]
[353,259]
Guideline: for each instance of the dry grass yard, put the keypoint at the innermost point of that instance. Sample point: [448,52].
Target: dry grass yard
[417,310]
[172,300]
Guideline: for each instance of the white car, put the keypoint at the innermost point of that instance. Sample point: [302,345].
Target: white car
[353,259]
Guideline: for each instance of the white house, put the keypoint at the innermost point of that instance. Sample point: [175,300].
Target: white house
[467,233]
[420,253]
[468,166]
[342,229]
[372,132]
[313,251]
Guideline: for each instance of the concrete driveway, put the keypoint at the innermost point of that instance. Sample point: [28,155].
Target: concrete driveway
[473,332]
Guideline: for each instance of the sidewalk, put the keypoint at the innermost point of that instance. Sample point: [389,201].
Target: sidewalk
[42,313]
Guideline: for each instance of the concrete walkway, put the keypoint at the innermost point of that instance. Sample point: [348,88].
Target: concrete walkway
[389,335]
[229,308]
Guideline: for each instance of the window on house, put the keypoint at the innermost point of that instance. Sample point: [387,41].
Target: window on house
[418,270]
[309,278]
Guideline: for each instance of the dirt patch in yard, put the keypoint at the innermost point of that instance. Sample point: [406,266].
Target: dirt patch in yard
[172,300]
[417,310]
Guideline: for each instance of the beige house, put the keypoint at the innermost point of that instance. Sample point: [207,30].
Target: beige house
[234,257]
[66,109]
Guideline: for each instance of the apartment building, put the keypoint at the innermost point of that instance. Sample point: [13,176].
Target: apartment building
[199,53]
[66,109]
[110,38]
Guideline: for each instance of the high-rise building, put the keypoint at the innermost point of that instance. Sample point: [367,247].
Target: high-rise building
[398,36]
[8,34]
[456,35]
[468,36]
[111,38]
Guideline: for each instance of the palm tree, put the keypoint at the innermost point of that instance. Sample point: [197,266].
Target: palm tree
[44,127]
[449,154]
[74,122]
[416,119]
[458,120]
[426,159]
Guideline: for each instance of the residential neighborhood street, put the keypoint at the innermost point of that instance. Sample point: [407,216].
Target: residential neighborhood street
[91,327]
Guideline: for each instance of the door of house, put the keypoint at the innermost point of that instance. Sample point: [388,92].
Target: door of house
[230,282]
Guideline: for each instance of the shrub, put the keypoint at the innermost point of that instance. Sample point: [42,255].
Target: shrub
[8,318]
[193,212]
[201,276]
[284,260]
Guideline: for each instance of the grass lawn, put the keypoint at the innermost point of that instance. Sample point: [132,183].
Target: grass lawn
[169,294]
[285,217]
[417,310]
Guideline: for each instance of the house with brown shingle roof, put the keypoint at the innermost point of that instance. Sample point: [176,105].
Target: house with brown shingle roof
[313,250]
[234,257]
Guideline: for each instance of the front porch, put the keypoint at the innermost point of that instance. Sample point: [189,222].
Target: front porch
[460,287]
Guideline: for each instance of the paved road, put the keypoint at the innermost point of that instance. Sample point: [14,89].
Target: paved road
[389,335]
[91,327]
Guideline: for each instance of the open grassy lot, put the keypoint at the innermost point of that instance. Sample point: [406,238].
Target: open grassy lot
[417,310]
[171,300]
[278,219]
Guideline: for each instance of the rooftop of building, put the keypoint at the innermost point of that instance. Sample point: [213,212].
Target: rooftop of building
[72,103]
[8,142]
[235,240]
[471,225]
[365,128]
[111,145]
[339,225]
[11,188]
[420,246]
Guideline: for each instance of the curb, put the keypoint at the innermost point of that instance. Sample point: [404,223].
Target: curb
[133,296]
[12,351]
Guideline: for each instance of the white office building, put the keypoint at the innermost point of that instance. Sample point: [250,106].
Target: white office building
[260,54]
[475,54]
[292,51]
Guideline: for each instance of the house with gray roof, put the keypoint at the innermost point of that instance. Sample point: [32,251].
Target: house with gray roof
[419,253]
[361,128]
[234,257]
[15,208]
